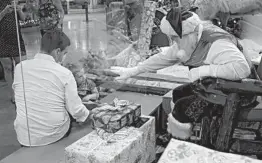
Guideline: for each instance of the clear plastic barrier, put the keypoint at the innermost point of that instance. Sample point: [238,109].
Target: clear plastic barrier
[102,34]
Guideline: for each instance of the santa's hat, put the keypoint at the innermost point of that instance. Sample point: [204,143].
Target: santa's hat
[179,23]
[159,14]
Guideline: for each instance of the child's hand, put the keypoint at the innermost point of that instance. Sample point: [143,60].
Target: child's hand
[93,96]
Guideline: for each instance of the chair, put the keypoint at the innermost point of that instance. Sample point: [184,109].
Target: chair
[236,130]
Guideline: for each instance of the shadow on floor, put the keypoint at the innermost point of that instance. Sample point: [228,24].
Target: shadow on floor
[8,141]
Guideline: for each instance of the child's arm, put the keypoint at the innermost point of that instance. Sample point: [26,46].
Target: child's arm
[93,96]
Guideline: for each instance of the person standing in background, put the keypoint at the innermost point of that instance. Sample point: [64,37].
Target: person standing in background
[51,14]
[9,49]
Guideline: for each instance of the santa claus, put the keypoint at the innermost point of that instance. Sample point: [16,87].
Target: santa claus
[207,50]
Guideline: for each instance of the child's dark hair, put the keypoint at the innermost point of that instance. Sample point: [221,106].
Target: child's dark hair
[53,40]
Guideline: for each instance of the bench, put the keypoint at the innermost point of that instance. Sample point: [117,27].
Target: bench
[54,153]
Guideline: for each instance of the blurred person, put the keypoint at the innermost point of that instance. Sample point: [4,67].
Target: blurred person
[51,14]
[50,92]
[9,53]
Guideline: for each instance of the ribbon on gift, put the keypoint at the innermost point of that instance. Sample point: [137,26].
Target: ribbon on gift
[112,137]
[120,104]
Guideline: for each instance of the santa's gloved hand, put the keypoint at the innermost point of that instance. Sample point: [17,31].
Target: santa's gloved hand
[125,73]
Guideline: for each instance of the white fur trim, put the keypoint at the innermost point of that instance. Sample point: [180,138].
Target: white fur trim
[167,28]
[177,129]
[181,54]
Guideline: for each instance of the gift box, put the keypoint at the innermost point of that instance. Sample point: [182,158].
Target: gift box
[184,152]
[130,144]
[112,118]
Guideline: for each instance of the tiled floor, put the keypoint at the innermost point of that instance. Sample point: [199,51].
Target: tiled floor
[8,142]
[83,37]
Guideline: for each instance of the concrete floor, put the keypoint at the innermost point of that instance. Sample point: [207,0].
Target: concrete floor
[83,37]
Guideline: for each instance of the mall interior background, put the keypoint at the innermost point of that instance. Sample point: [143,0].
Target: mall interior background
[84,36]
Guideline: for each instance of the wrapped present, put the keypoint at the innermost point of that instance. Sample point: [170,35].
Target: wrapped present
[184,152]
[130,144]
[112,118]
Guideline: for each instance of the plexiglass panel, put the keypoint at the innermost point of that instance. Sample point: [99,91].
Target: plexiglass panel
[102,35]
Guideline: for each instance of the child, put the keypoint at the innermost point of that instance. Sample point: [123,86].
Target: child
[87,89]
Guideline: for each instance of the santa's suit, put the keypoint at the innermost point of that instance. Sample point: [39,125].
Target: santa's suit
[223,59]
